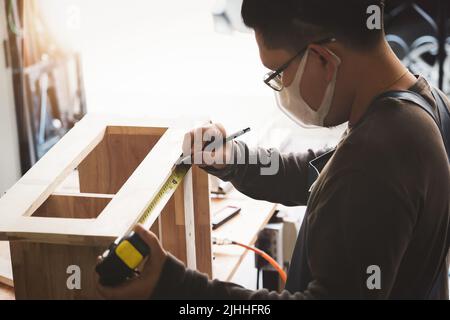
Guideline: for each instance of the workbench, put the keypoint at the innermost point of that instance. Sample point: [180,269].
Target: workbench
[243,228]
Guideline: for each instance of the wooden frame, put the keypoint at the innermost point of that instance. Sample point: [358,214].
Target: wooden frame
[121,164]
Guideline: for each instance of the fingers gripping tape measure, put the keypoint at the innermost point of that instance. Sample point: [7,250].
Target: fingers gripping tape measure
[121,260]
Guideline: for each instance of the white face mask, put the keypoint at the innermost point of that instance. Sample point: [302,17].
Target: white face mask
[291,102]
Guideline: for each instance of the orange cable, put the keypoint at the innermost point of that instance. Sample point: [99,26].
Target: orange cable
[266,257]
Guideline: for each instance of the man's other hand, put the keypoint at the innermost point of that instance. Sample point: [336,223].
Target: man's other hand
[195,145]
[141,287]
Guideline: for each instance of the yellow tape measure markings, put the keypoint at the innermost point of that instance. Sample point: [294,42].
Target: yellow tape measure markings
[171,184]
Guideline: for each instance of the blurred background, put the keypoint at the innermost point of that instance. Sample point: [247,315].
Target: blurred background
[169,58]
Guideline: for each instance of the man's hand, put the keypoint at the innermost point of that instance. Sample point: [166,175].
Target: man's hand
[142,286]
[195,141]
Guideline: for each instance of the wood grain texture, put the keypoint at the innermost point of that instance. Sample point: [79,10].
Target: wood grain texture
[156,228]
[122,164]
[40,270]
[106,169]
[203,242]
[123,211]
[81,206]
[6,276]
[143,185]
[189,221]
[172,227]
[6,292]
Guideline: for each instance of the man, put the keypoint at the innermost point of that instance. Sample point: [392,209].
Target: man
[381,203]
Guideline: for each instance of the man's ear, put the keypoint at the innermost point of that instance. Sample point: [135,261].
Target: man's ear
[327,59]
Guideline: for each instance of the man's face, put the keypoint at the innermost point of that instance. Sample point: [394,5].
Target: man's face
[318,72]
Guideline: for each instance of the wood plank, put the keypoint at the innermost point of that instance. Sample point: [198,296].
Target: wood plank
[57,231]
[156,228]
[70,185]
[6,292]
[81,206]
[202,220]
[143,185]
[119,215]
[41,270]
[107,168]
[135,131]
[26,196]
[189,218]
[6,277]
[48,232]
[172,228]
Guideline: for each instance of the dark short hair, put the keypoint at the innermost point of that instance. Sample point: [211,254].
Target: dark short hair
[294,23]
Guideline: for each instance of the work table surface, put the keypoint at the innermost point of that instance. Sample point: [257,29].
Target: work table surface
[242,228]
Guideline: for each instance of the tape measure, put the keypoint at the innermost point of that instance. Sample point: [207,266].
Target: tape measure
[121,260]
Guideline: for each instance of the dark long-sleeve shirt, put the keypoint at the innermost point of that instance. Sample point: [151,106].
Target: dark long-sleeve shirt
[381,203]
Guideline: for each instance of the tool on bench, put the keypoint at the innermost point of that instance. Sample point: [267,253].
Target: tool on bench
[121,260]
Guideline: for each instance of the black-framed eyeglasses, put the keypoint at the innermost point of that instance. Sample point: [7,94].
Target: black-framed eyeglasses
[274,78]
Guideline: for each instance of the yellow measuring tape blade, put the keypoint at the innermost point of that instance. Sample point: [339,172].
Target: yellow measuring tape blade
[169,186]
